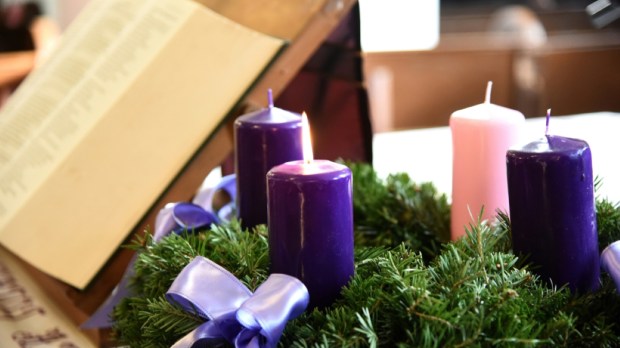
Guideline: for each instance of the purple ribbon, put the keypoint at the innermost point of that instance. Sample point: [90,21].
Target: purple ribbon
[232,312]
[610,262]
[174,217]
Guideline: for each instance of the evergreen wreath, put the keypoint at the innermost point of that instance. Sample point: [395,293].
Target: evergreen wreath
[411,288]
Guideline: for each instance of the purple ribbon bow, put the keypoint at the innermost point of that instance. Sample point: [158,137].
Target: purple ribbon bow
[233,313]
[610,262]
[174,217]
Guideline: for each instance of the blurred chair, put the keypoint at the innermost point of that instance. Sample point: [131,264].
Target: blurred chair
[330,89]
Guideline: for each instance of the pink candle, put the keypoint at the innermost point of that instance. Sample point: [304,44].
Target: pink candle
[481,135]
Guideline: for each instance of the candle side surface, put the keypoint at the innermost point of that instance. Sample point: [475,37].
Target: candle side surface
[263,139]
[489,112]
[481,135]
[552,210]
[311,226]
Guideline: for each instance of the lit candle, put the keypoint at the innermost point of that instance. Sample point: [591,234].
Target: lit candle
[481,135]
[311,223]
[552,212]
[263,139]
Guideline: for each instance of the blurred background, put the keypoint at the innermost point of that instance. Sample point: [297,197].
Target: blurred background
[540,54]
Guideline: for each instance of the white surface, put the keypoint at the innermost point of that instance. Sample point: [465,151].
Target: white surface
[426,154]
[399,25]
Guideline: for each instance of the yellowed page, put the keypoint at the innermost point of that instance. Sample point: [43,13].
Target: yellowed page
[98,133]
[28,317]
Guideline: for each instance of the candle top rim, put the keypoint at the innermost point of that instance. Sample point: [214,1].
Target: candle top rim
[488,111]
[551,144]
[315,168]
[269,115]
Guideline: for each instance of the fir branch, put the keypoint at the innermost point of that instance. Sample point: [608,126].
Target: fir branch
[162,322]
[366,327]
[147,319]
[152,322]
[410,288]
[158,264]
[398,211]
[608,222]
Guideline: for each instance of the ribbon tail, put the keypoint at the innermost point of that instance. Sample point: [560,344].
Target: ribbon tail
[205,335]
[249,339]
[205,287]
[205,195]
[102,318]
[165,223]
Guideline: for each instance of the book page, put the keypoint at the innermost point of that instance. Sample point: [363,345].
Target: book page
[92,138]
[28,317]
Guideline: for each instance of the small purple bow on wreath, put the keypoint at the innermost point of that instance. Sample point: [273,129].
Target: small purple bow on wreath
[232,312]
[199,214]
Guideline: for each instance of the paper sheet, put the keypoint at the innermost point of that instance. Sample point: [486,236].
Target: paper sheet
[27,317]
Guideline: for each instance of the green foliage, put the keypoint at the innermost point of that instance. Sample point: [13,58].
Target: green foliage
[608,221]
[405,293]
[397,211]
[151,322]
[148,320]
[470,295]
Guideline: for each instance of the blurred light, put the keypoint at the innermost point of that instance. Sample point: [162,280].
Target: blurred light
[399,25]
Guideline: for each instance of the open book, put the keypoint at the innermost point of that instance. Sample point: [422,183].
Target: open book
[92,138]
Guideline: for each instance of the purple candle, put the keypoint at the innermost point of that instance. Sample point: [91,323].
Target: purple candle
[551,198]
[311,225]
[263,139]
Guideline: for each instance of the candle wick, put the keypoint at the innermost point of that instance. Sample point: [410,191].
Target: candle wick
[547,122]
[487,98]
[270,97]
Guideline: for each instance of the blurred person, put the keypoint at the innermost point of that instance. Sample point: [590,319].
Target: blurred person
[26,38]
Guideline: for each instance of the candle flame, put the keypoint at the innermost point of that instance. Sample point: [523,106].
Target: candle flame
[306,141]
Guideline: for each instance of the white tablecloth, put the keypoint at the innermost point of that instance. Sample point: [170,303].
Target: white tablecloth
[426,154]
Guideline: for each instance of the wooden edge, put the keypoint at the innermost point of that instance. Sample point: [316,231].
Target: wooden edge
[300,50]
[80,304]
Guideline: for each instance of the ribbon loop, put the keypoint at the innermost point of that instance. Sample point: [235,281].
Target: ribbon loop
[260,313]
[232,311]
[200,213]
[610,262]
[192,217]
[209,288]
